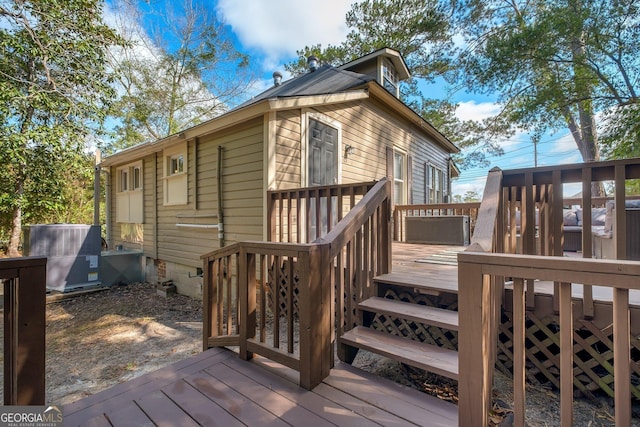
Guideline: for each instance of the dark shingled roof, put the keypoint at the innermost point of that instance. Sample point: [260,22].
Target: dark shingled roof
[325,80]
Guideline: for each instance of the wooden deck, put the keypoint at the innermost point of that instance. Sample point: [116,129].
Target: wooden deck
[422,262]
[215,388]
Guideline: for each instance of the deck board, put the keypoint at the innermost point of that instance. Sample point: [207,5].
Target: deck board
[220,389]
[285,409]
[245,410]
[163,412]
[118,396]
[130,414]
[313,401]
[202,409]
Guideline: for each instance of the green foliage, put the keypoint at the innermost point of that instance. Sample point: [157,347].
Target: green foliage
[468,197]
[557,65]
[190,73]
[554,65]
[54,90]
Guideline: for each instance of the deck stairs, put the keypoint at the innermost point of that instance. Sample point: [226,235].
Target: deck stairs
[421,355]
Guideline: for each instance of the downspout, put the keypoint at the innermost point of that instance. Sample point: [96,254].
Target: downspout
[96,197]
[107,206]
[220,206]
[96,190]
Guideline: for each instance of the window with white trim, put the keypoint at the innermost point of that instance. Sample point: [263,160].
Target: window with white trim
[390,79]
[399,178]
[435,184]
[129,196]
[175,175]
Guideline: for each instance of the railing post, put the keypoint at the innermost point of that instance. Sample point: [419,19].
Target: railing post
[24,332]
[385,233]
[476,349]
[247,301]
[208,314]
[315,303]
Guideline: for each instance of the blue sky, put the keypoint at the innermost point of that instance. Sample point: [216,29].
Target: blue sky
[271,32]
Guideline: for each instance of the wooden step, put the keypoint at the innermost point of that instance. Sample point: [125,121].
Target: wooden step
[447,319]
[424,283]
[420,355]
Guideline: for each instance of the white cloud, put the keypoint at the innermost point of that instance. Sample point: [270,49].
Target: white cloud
[472,110]
[562,144]
[461,188]
[280,28]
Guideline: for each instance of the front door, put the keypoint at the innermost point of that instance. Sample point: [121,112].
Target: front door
[323,154]
[323,170]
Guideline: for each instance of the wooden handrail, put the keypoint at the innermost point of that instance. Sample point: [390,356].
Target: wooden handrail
[476,270]
[355,219]
[296,280]
[24,329]
[486,224]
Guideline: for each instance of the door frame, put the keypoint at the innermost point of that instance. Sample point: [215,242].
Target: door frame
[307,115]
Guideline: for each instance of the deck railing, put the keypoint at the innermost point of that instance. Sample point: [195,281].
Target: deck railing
[401,212]
[476,271]
[537,193]
[24,329]
[531,250]
[276,299]
[293,212]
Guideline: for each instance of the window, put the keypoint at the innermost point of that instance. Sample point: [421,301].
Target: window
[399,178]
[176,164]
[435,184]
[175,175]
[129,197]
[137,177]
[124,179]
[390,77]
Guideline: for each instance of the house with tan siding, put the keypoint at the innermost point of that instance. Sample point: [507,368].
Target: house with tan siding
[205,187]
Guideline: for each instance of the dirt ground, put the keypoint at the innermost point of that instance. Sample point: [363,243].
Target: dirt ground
[104,338]
[100,339]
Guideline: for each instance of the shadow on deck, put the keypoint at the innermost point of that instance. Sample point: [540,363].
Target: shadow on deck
[216,388]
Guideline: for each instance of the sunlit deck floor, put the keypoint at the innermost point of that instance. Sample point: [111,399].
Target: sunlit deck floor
[215,388]
[421,260]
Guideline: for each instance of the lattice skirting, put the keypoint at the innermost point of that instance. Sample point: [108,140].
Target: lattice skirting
[277,286]
[592,360]
[418,331]
[593,346]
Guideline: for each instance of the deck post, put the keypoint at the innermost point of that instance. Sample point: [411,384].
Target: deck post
[247,299]
[315,317]
[475,346]
[24,330]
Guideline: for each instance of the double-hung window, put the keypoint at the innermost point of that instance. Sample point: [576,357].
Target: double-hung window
[435,184]
[390,79]
[129,194]
[175,175]
[399,178]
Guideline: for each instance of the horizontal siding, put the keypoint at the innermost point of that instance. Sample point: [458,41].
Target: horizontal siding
[369,131]
[242,176]
[288,149]
[370,127]
[426,153]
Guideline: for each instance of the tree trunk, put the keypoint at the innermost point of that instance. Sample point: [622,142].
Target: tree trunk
[586,138]
[16,224]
